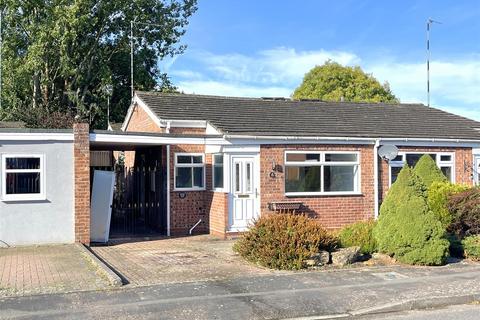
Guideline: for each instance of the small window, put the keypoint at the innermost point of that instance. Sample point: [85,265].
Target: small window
[340,157]
[218,171]
[22,177]
[189,172]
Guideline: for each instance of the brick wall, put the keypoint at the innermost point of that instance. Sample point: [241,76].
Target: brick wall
[187,130]
[218,210]
[463,172]
[332,211]
[81,149]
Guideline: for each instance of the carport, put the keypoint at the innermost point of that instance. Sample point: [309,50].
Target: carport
[141,202]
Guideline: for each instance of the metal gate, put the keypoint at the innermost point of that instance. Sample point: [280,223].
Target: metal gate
[138,202]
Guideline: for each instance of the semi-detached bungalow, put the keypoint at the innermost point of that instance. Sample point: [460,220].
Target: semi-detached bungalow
[220,162]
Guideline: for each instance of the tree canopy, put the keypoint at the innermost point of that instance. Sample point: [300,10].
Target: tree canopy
[59,56]
[334,82]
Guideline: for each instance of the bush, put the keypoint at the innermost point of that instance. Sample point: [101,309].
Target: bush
[284,241]
[465,210]
[471,247]
[438,194]
[428,171]
[359,234]
[406,229]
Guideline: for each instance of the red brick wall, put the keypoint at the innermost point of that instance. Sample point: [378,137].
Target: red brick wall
[218,213]
[332,211]
[463,173]
[187,130]
[81,150]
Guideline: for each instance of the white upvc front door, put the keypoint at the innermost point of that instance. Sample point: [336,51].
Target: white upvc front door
[476,169]
[244,195]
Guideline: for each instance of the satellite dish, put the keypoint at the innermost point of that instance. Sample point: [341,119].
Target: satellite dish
[388,152]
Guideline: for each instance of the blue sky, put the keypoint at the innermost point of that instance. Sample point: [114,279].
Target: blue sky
[264,47]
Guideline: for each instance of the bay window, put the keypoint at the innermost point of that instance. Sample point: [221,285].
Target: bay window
[310,173]
[189,171]
[444,160]
[23,177]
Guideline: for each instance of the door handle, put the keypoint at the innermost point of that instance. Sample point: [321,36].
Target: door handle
[256,192]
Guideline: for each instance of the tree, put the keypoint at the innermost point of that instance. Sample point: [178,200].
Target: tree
[406,228]
[428,171]
[334,82]
[59,55]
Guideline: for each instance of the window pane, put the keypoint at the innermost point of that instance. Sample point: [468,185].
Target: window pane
[18,183]
[23,163]
[183,178]
[310,157]
[249,177]
[351,157]
[445,158]
[398,158]
[218,159]
[218,176]
[339,178]
[197,159]
[412,158]
[237,177]
[302,179]
[198,177]
[184,159]
[395,171]
[447,171]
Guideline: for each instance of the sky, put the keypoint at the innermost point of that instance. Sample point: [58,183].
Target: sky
[263,48]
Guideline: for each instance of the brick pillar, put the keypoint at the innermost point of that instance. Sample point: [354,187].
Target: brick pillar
[81,151]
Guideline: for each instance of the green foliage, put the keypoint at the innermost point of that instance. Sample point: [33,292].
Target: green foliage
[60,55]
[428,171]
[406,229]
[359,234]
[284,241]
[465,209]
[332,82]
[438,194]
[471,247]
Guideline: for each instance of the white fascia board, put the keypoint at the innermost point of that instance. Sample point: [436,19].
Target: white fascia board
[178,123]
[211,129]
[137,101]
[99,138]
[35,136]
[421,142]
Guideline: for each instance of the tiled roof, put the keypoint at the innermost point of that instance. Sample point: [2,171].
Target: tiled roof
[280,117]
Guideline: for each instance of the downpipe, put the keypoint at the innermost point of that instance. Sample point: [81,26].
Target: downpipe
[194,226]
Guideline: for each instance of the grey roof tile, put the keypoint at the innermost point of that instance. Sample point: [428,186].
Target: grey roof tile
[277,117]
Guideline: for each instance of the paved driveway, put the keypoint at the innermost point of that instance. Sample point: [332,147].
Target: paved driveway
[174,260]
[47,269]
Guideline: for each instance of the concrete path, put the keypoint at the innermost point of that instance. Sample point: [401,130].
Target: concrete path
[47,269]
[458,312]
[340,293]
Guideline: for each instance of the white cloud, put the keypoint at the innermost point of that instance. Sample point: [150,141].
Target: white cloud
[455,83]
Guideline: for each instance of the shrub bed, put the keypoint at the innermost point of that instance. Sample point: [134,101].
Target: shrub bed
[471,247]
[359,234]
[284,241]
[438,195]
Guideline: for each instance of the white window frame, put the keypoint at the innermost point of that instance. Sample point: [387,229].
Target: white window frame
[213,171]
[23,196]
[188,165]
[322,163]
[400,164]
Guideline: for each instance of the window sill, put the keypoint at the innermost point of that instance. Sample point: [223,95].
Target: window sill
[23,198]
[322,194]
[188,189]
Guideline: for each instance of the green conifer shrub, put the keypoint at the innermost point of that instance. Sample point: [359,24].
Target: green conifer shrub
[427,170]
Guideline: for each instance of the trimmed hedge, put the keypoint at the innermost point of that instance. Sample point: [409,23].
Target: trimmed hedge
[359,234]
[428,171]
[471,247]
[438,194]
[284,241]
[406,229]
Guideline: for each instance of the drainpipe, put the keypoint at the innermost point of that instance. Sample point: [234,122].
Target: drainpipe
[168,182]
[375,176]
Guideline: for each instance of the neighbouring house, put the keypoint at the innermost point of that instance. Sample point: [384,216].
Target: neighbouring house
[207,164]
